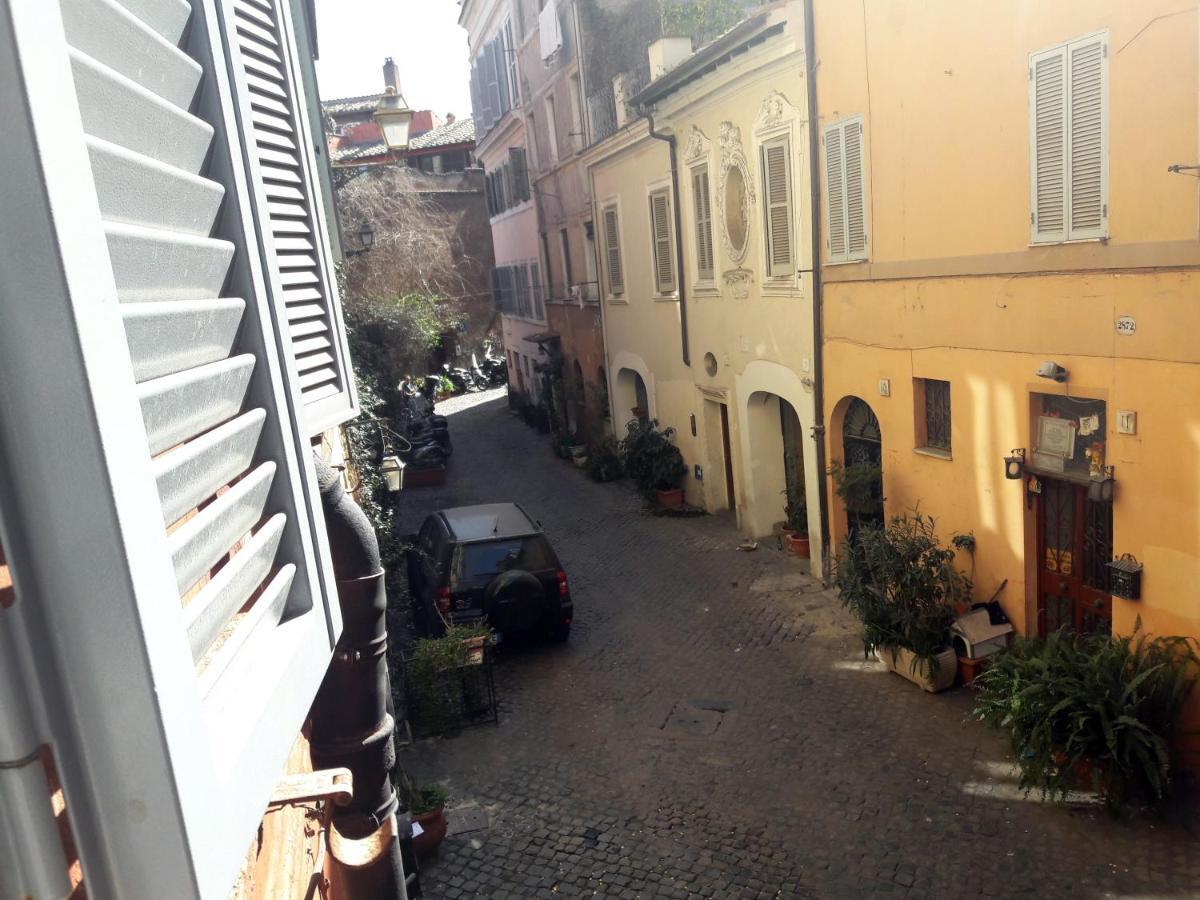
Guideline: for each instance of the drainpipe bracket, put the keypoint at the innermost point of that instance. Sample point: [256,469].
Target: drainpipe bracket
[325,784]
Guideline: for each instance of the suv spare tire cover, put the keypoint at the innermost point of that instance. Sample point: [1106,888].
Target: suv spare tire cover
[513,601]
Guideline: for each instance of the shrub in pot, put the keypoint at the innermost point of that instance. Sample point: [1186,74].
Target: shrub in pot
[604,461]
[858,487]
[1092,711]
[653,461]
[900,583]
[795,525]
[426,804]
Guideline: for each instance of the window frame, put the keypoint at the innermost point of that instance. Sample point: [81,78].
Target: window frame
[551,128]
[613,205]
[703,281]
[845,257]
[1068,234]
[783,139]
[921,400]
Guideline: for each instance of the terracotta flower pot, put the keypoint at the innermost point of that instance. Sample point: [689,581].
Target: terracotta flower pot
[671,499]
[640,412]
[433,831]
[798,544]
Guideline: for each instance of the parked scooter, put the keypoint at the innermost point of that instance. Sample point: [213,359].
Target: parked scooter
[494,370]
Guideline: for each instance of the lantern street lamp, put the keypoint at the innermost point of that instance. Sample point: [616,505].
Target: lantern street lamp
[392,469]
[394,118]
[366,239]
[1102,486]
[1014,465]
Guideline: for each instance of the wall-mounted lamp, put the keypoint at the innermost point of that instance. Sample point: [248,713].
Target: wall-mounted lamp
[392,469]
[1102,487]
[1014,465]
[366,239]
[1053,371]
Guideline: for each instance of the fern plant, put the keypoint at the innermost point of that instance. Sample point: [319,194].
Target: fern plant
[1092,709]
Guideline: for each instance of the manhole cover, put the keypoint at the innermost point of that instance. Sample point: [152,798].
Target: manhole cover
[694,718]
[465,819]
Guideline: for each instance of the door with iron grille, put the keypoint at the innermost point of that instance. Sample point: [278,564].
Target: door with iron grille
[1074,547]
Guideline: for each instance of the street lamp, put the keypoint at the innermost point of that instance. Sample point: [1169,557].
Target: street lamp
[394,118]
[366,239]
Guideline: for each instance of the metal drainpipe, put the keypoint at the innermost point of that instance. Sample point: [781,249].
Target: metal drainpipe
[352,721]
[669,139]
[814,179]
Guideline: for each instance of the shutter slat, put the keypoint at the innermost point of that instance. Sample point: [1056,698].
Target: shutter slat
[167,17]
[254,13]
[194,471]
[313,344]
[122,112]
[317,376]
[152,264]
[283,175]
[266,86]
[664,263]
[300,295]
[111,35]
[209,611]
[308,361]
[177,407]
[1086,139]
[296,260]
[304,329]
[169,337]
[137,190]
[304,311]
[248,30]
[1049,146]
[199,543]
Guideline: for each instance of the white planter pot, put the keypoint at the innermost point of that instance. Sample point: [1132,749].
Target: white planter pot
[901,661]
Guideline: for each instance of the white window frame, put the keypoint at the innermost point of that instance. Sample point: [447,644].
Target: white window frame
[575,88]
[662,188]
[1069,235]
[612,296]
[551,128]
[847,256]
[510,51]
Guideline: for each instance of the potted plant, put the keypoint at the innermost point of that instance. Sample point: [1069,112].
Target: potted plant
[901,584]
[859,487]
[655,463]
[604,461]
[795,525]
[426,804]
[1092,712]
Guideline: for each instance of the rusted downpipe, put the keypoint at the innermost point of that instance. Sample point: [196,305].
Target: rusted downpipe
[669,140]
[352,722]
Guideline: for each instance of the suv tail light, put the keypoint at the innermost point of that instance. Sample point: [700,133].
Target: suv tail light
[564,589]
[443,600]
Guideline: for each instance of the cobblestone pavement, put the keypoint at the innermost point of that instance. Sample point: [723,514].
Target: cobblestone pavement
[711,730]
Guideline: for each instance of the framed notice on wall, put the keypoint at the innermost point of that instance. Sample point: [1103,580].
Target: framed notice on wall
[1056,437]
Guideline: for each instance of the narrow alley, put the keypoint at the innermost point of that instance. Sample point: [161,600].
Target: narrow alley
[712,730]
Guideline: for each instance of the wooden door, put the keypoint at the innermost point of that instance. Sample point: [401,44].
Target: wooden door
[1074,548]
[727,452]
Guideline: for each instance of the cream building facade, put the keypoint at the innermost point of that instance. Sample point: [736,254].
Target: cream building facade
[706,269]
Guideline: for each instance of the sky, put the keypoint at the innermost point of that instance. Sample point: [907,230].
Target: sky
[422,36]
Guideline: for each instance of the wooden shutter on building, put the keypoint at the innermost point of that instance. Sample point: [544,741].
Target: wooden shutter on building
[612,252]
[1068,135]
[845,191]
[660,228]
[520,170]
[704,238]
[535,281]
[287,202]
[140,322]
[777,191]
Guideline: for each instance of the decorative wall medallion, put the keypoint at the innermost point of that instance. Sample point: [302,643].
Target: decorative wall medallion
[739,281]
[775,110]
[735,193]
[697,146]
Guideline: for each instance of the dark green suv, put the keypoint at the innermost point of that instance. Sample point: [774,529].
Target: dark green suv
[490,563]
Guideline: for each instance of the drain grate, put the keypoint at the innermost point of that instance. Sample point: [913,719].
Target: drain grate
[694,718]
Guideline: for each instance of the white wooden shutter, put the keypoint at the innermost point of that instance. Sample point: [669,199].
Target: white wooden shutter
[845,191]
[835,192]
[704,238]
[287,202]
[167,525]
[660,227]
[1048,144]
[612,251]
[1087,129]
[777,190]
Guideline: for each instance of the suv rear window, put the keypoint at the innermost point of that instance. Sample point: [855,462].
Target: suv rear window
[477,563]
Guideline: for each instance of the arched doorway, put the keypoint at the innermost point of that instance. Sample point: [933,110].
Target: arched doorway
[862,457]
[776,460]
[633,401]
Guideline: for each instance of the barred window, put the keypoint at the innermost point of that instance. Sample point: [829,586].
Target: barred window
[933,413]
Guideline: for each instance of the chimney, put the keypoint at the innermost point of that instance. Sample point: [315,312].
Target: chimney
[449,118]
[666,53]
[391,76]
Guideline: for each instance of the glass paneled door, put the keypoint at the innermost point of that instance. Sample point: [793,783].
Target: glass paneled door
[1074,548]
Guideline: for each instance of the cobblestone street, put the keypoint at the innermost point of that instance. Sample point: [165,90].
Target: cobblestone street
[712,730]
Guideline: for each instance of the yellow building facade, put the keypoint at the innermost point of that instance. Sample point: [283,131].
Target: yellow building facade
[1012,203]
[720,348]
